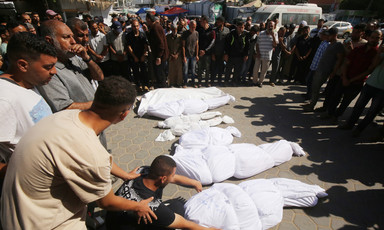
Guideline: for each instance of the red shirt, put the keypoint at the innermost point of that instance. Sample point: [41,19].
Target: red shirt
[359,61]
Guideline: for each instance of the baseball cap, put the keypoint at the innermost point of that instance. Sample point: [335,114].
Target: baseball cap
[304,23]
[117,26]
[51,12]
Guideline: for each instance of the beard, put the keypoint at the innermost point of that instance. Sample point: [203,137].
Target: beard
[62,54]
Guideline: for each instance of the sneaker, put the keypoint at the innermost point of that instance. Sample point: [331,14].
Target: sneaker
[308,108]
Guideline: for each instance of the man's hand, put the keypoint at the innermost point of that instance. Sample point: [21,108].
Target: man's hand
[202,53]
[132,174]
[245,58]
[197,58]
[144,212]
[142,59]
[185,60]
[213,57]
[135,59]
[80,51]
[198,186]
[225,57]
[158,61]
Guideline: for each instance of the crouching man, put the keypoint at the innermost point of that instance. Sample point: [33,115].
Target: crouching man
[151,183]
[59,166]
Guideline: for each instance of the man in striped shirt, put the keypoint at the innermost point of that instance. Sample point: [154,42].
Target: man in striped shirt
[265,44]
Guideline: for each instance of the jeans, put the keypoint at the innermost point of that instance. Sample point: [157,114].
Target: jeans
[235,63]
[319,79]
[189,65]
[245,70]
[275,69]
[309,80]
[367,93]
[218,68]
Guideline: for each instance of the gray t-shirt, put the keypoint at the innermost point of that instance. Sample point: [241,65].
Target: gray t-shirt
[329,58]
[69,85]
[191,39]
[118,43]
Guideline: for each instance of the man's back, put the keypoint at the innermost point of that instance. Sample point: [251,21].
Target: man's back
[58,167]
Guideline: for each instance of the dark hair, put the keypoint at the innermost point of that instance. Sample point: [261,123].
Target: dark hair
[204,17]
[361,26]
[28,46]
[151,17]
[13,24]
[321,20]
[73,22]
[3,29]
[114,91]
[221,19]
[255,28]
[90,23]
[34,12]
[48,28]
[239,23]
[161,166]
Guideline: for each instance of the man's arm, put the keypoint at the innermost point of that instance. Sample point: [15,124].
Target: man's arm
[181,223]
[80,105]
[116,203]
[119,172]
[339,62]
[183,50]
[182,180]
[197,50]
[95,72]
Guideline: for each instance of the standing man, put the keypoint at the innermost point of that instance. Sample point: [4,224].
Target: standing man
[302,60]
[60,166]
[276,56]
[190,48]
[98,48]
[36,21]
[206,42]
[137,49]
[265,44]
[159,49]
[218,50]
[175,74]
[117,42]
[32,63]
[315,32]
[236,52]
[329,64]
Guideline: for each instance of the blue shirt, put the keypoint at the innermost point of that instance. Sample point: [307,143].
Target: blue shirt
[319,53]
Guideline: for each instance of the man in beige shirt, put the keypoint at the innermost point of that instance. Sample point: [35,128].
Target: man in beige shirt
[60,166]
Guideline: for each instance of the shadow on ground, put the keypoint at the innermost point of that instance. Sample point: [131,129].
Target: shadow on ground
[336,157]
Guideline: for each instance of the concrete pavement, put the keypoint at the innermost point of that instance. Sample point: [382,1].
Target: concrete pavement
[350,169]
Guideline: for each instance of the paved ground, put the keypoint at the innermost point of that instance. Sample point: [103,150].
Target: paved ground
[350,169]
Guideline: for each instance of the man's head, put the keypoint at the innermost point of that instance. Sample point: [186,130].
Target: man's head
[192,25]
[116,27]
[173,29]
[262,26]
[305,31]
[30,28]
[162,170]
[114,99]
[14,27]
[332,34]
[320,23]
[135,25]
[31,58]
[255,30]
[150,18]
[271,25]
[281,31]
[374,38]
[60,35]
[373,25]
[93,27]
[80,31]
[291,28]
[248,26]
[35,18]
[358,32]
[220,21]
[4,33]
[203,21]
[50,14]
[240,27]
[168,24]
[25,18]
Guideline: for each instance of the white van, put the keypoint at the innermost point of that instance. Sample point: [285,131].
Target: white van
[288,14]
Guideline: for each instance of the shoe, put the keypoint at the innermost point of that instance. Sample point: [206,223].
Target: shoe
[308,108]
[184,86]
[345,126]
[272,84]
[320,109]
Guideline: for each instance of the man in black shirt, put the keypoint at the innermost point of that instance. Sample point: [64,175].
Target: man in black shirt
[151,183]
[137,48]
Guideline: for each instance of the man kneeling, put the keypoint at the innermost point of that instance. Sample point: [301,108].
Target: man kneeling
[151,183]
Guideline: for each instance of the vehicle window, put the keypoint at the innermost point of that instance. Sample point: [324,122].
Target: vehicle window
[337,25]
[288,18]
[260,17]
[344,24]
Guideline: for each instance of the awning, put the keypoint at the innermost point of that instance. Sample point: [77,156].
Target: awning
[174,11]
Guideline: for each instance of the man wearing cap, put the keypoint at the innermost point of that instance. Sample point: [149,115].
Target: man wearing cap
[316,31]
[329,63]
[50,14]
[159,48]
[117,42]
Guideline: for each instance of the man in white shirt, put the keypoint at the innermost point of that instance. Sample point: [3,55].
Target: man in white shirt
[32,63]
[98,48]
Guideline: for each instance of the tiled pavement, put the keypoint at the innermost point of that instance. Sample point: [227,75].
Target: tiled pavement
[350,169]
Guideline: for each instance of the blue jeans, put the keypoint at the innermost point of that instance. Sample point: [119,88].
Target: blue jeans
[189,65]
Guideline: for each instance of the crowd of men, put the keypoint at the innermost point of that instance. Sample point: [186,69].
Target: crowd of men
[61,164]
